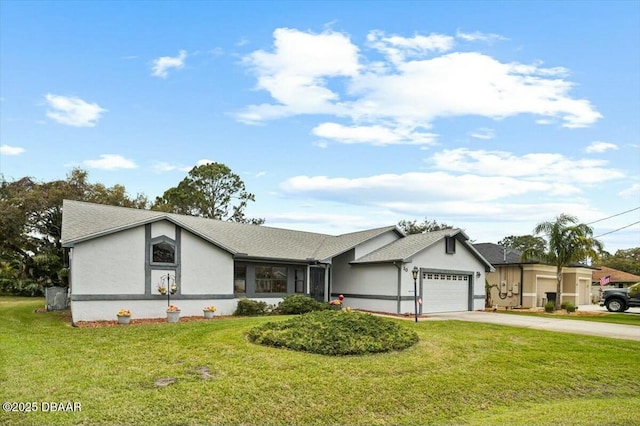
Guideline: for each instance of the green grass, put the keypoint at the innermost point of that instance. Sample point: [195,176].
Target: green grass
[458,373]
[614,318]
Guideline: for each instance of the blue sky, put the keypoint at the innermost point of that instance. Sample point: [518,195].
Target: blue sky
[339,116]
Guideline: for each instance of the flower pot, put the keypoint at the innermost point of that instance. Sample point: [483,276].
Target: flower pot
[173,316]
[124,319]
[336,307]
[208,314]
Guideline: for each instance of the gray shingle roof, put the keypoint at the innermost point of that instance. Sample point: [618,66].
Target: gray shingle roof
[83,221]
[405,248]
[498,255]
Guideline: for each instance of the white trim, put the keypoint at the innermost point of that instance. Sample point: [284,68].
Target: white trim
[529,294]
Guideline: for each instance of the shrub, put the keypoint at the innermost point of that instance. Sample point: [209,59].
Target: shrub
[248,307]
[569,307]
[549,306]
[335,333]
[296,304]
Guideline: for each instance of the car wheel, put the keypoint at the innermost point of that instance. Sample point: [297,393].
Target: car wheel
[615,305]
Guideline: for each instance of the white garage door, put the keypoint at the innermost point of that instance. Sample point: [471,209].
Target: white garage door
[444,292]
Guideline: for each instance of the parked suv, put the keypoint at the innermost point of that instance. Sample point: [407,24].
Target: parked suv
[618,299]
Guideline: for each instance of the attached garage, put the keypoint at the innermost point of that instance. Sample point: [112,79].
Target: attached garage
[445,292]
[450,275]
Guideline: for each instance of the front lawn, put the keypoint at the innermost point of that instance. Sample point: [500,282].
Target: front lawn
[458,373]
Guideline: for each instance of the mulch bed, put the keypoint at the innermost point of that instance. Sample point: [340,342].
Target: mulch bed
[144,321]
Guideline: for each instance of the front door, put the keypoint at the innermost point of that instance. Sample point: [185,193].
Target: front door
[317,284]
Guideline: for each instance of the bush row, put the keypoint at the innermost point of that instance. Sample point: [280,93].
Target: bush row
[294,304]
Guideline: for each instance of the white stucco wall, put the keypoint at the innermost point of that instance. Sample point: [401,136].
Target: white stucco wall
[370,279]
[164,227]
[435,257]
[106,310]
[113,264]
[206,269]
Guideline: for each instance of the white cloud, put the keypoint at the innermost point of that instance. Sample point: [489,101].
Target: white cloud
[203,161]
[397,49]
[416,186]
[295,73]
[163,64]
[375,135]
[632,191]
[600,147]
[162,167]
[110,162]
[479,36]
[539,166]
[480,181]
[10,150]
[73,111]
[483,133]
[261,174]
[334,223]
[419,81]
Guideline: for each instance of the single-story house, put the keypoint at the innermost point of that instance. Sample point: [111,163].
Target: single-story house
[610,278]
[119,258]
[613,277]
[527,284]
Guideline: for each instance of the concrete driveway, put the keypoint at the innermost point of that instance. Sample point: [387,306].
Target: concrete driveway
[616,331]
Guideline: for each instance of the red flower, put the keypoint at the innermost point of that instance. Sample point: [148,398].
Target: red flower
[341,297]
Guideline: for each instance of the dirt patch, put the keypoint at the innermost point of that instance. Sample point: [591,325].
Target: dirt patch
[205,373]
[165,381]
[144,321]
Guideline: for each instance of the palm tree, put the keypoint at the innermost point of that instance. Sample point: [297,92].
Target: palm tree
[568,242]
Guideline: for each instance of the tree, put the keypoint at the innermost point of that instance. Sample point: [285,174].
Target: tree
[412,227]
[31,255]
[568,242]
[624,260]
[523,242]
[210,190]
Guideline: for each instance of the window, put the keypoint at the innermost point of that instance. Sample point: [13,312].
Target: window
[163,252]
[271,279]
[240,279]
[299,275]
[450,243]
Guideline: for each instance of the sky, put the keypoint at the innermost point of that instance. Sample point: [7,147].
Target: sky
[339,116]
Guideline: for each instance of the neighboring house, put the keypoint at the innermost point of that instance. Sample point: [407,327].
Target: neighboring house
[118,257]
[610,278]
[613,277]
[526,284]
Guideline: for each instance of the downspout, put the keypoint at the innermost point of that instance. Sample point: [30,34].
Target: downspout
[522,285]
[327,277]
[399,283]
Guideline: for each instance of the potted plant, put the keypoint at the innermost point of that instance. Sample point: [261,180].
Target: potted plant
[124,316]
[336,304]
[208,311]
[162,289]
[173,313]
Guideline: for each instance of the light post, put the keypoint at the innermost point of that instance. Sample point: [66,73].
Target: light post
[415,272]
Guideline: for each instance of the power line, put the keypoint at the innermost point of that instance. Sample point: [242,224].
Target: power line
[616,230]
[600,220]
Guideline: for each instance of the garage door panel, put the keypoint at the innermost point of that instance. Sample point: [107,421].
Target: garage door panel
[445,292]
